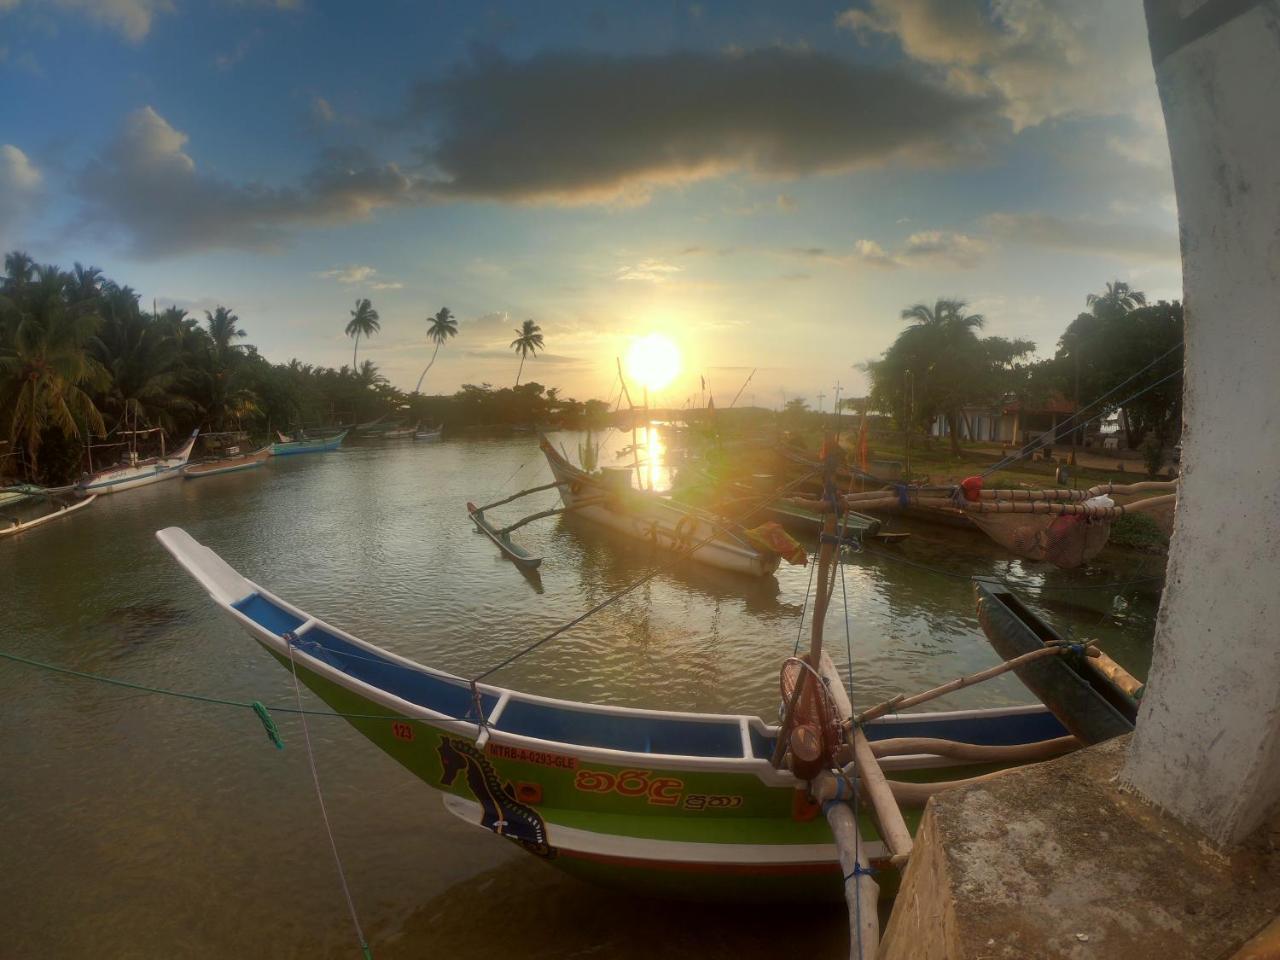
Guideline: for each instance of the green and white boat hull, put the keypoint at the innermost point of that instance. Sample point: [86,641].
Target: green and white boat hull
[680,804]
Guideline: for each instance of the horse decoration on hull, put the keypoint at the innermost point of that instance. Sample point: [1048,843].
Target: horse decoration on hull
[502,812]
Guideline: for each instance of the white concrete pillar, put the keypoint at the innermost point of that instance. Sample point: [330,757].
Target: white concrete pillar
[1207,748]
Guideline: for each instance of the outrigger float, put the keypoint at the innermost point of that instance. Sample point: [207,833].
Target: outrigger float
[700,805]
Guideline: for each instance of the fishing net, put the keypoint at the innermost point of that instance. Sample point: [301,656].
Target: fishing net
[1065,540]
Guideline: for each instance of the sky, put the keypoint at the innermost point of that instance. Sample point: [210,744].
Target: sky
[767,184]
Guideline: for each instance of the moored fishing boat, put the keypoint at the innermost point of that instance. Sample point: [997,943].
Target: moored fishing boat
[14,525]
[673,802]
[138,473]
[288,447]
[429,435]
[234,464]
[609,500]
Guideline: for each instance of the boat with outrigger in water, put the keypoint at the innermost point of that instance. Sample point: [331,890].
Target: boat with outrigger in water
[26,506]
[607,498]
[721,806]
[134,471]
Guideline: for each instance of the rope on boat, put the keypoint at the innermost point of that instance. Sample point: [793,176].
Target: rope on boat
[324,814]
[635,584]
[262,711]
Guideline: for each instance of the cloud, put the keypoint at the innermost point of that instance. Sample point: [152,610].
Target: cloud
[352,273]
[225,61]
[20,182]
[322,111]
[1043,58]
[147,187]
[926,248]
[1085,235]
[130,18]
[576,128]
[652,271]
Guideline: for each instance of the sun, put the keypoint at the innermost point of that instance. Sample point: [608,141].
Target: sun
[653,361]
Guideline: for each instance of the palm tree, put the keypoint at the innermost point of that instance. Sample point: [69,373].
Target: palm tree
[364,320]
[19,269]
[88,281]
[948,314]
[1119,299]
[528,341]
[442,326]
[48,371]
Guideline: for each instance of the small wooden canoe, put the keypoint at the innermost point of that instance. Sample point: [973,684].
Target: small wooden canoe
[214,468]
[510,549]
[856,525]
[1086,701]
[64,509]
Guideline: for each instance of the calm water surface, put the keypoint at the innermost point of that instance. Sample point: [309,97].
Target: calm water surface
[134,825]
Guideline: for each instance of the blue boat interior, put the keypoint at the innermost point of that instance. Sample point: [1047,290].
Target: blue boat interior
[638,733]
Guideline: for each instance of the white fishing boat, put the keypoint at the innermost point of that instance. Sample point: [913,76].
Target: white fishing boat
[138,473]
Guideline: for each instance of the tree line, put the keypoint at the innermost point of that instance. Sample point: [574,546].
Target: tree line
[939,366]
[80,359]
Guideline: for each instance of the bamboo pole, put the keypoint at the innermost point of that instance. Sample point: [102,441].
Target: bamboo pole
[902,701]
[893,829]
[522,493]
[1118,675]
[1048,507]
[975,752]
[548,513]
[861,892]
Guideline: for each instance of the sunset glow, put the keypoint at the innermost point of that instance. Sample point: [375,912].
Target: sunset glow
[653,361]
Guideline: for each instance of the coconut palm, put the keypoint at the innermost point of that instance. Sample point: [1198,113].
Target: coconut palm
[19,268]
[88,281]
[528,341]
[1118,299]
[48,371]
[944,314]
[442,326]
[364,321]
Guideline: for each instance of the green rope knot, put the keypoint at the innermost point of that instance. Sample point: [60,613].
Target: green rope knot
[268,724]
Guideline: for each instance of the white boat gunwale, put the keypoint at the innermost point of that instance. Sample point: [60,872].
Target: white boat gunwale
[228,590]
[62,511]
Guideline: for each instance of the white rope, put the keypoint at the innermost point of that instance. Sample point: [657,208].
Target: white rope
[324,814]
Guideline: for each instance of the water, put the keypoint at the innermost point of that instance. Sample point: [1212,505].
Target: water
[141,826]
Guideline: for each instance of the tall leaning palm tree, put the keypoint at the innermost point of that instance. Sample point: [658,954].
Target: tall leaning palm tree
[363,322]
[528,341]
[441,327]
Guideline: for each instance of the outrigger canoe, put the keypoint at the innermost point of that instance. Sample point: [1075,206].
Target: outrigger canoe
[651,518]
[287,448]
[1093,697]
[16,525]
[215,468]
[676,803]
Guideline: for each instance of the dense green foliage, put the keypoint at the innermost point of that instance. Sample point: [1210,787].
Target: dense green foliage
[939,365]
[80,359]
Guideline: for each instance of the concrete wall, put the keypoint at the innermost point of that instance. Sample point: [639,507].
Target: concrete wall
[1207,748]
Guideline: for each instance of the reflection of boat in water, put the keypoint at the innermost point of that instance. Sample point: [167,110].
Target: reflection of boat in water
[681,803]
[608,499]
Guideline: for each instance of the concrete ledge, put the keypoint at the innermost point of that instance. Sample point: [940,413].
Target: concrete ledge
[1054,861]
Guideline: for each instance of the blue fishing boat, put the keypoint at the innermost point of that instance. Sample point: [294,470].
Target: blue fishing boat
[285,447]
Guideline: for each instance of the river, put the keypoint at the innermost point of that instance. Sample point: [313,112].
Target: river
[136,825]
